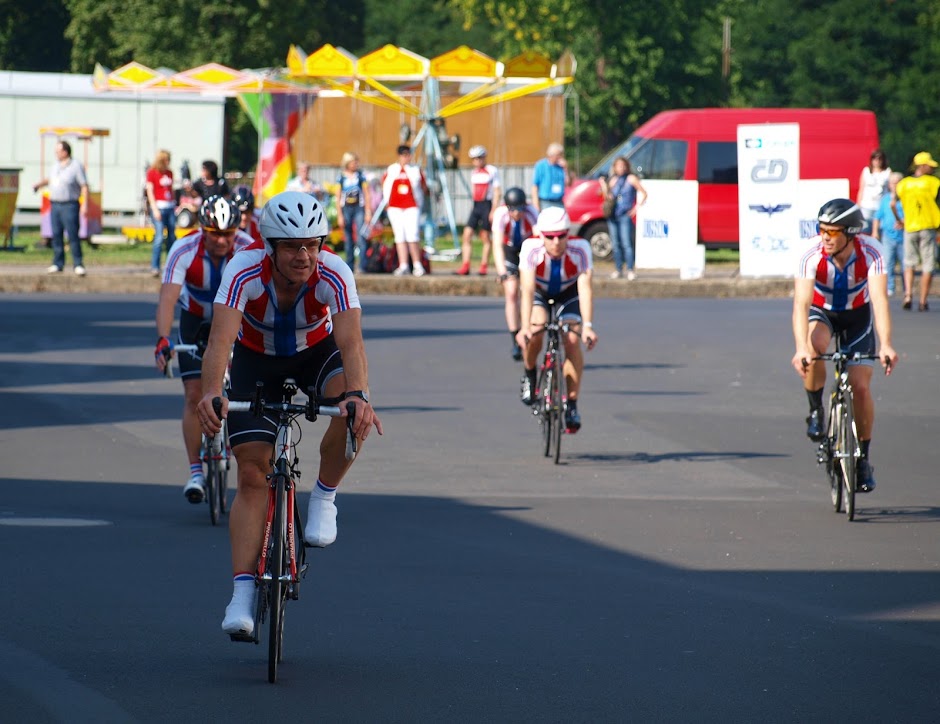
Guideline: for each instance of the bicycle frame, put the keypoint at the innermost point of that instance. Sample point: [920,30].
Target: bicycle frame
[550,393]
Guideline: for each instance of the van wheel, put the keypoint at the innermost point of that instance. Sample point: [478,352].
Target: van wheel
[599,238]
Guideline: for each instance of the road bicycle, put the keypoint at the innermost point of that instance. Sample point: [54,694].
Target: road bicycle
[839,451]
[550,393]
[282,563]
[215,452]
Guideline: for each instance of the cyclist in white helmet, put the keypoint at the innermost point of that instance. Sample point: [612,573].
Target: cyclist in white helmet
[292,310]
[191,278]
[556,269]
[487,189]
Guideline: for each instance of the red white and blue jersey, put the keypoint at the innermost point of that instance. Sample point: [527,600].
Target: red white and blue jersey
[837,290]
[553,276]
[483,181]
[247,285]
[512,233]
[199,275]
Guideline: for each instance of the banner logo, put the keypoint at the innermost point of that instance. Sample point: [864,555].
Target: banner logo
[769,210]
[655,229]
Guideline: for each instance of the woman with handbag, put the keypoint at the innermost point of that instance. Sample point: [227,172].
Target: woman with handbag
[623,193]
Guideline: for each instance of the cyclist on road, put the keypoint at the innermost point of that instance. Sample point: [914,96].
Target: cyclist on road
[841,288]
[553,266]
[513,223]
[190,280]
[292,310]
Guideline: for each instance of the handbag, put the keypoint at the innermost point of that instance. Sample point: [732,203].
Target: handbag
[607,206]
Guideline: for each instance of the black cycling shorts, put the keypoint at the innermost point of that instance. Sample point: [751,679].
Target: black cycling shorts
[568,303]
[192,329]
[313,367]
[512,260]
[480,216]
[855,326]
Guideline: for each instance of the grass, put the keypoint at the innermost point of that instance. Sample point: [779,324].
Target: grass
[139,253]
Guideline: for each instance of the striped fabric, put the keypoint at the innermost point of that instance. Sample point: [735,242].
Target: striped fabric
[837,290]
[553,276]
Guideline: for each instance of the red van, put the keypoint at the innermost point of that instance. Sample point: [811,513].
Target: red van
[701,145]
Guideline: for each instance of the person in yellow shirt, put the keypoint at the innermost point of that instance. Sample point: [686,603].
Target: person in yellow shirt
[918,195]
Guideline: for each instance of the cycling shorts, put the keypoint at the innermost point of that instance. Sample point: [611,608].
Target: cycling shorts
[855,326]
[313,367]
[568,303]
[480,216]
[192,329]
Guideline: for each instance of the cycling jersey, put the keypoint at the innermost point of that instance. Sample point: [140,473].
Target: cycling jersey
[511,233]
[554,276]
[190,265]
[483,181]
[247,286]
[403,186]
[837,290]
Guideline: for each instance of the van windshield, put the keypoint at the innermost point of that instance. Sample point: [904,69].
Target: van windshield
[650,158]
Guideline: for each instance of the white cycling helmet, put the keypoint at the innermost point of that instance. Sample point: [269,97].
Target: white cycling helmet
[553,220]
[292,215]
[477,151]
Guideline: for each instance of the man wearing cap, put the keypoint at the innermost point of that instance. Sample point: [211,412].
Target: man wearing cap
[486,188]
[918,196]
[550,178]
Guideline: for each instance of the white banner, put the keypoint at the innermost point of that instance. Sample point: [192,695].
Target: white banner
[667,224]
[768,178]
[813,193]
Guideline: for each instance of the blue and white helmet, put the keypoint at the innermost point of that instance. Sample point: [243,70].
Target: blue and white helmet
[292,215]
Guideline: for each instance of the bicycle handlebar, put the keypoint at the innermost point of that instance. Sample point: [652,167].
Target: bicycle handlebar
[848,357]
[311,410]
[168,354]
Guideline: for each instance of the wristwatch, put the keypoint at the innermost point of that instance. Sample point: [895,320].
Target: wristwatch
[358,393]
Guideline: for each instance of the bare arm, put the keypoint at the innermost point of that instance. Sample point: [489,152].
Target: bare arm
[526,302]
[169,294]
[535,198]
[802,299]
[878,291]
[347,331]
[151,198]
[586,302]
[225,324]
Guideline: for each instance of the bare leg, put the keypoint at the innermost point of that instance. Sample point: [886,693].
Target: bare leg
[246,519]
[574,364]
[192,430]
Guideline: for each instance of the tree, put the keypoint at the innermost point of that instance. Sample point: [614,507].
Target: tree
[20,26]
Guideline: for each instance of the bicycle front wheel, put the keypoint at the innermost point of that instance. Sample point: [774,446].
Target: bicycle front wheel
[278,586]
[557,403]
[833,468]
[544,407]
[224,466]
[849,449]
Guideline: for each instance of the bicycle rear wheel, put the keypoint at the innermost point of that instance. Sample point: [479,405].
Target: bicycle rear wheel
[278,587]
[849,446]
[557,395]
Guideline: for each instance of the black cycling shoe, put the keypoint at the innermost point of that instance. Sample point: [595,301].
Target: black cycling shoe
[572,420]
[864,476]
[814,425]
[528,391]
[516,351]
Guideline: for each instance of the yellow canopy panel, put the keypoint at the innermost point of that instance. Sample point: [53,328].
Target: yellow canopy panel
[80,131]
[464,62]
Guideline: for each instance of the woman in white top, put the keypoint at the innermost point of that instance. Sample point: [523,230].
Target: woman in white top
[872,185]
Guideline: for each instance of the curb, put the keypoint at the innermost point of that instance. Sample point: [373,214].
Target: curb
[655,285]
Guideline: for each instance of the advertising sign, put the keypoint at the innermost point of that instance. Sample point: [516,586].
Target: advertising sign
[667,224]
[768,188]
[813,193]
[9,190]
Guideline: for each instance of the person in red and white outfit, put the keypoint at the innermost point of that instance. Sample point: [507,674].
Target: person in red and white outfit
[486,187]
[162,200]
[403,188]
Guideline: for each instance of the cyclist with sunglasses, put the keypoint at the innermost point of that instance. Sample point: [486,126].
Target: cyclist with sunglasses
[558,269]
[841,288]
[513,223]
[291,309]
[190,280]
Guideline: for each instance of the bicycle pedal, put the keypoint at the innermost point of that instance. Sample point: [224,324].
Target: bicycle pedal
[243,638]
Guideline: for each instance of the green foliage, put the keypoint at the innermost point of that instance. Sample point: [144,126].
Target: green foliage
[425,27]
[22,25]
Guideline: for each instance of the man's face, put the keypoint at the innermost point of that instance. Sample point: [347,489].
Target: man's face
[60,152]
[555,243]
[404,158]
[479,162]
[833,238]
[218,244]
[296,257]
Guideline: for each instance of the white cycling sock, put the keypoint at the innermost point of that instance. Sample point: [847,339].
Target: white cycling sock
[324,491]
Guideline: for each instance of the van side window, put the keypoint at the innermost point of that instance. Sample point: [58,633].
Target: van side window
[658,159]
[717,162]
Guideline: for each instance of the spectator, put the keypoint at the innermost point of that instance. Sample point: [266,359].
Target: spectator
[626,192]
[68,192]
[353,208]
[551,178]
[484,180]
[302,182]
[918,195]
[162,201]
[245,201]
[888,227]
[208,184]
[403,189]
[872,186]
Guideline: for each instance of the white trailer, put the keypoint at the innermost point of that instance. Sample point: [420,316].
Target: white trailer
[190,127]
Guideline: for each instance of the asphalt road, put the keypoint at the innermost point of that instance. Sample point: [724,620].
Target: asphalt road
[682,564]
